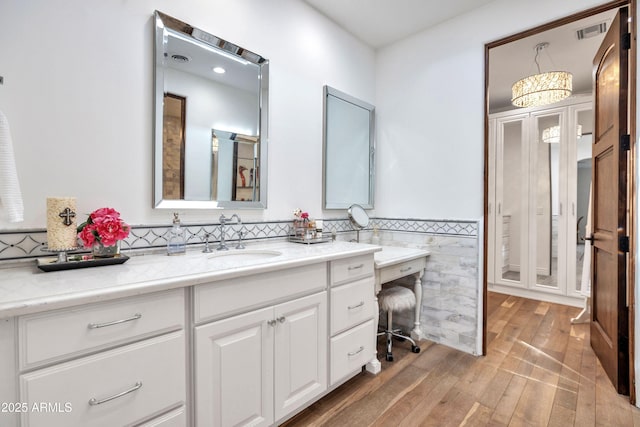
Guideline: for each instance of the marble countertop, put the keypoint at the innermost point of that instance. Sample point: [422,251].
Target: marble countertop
[25,289]
[390,255]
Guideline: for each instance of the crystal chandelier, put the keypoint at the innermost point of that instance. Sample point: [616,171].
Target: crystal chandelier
[551,135]
[542,88]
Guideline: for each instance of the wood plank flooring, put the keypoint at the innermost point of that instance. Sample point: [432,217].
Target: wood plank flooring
[539,371]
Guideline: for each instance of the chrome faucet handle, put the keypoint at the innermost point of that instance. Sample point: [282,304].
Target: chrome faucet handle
[206,249]
[240,245]
[222,245]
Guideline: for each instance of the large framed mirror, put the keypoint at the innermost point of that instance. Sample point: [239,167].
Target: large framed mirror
[211,120]
[348,152]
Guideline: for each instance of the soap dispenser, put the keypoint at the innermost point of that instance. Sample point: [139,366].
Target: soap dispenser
[176,243]
[375,239]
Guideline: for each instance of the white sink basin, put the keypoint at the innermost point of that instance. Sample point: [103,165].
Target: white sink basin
[245,255]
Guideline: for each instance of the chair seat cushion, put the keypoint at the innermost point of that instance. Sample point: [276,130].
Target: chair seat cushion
[396,298]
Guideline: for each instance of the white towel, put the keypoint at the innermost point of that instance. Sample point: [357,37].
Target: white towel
[10,194]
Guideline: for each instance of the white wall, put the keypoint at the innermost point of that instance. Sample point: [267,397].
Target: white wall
[78,85]
[430,109]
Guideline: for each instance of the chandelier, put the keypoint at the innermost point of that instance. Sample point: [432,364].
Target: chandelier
[551,135]
[542,88]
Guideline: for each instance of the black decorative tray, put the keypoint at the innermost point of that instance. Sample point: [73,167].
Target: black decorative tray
[78,261]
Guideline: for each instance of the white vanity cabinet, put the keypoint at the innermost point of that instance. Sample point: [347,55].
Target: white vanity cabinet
[353,308]
[200,342]
[115,363]
[259,366]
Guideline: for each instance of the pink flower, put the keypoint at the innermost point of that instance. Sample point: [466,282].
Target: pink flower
[105,226]
[86,235]
[304,215]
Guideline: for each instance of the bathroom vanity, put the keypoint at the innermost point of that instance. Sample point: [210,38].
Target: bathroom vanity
[219,339]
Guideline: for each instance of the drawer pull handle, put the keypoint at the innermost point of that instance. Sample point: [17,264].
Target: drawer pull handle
[93,401]
[353,307]
[356,267]
[115,322]
[404,270]
[353,353]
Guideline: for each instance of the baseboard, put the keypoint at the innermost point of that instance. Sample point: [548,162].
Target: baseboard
[537,295]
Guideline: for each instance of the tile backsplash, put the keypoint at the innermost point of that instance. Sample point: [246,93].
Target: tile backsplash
[21,244]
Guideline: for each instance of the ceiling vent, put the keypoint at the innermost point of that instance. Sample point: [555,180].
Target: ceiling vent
[592,31]
[180,58]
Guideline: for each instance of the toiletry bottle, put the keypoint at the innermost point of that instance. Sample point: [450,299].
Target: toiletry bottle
[176,242]
[375,239]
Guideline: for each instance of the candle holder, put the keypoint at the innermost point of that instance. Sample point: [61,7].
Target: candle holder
[62,253]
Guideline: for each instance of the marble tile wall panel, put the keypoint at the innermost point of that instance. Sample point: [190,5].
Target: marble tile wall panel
[450,288]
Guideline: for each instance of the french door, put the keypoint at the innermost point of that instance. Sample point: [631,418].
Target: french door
[537,200]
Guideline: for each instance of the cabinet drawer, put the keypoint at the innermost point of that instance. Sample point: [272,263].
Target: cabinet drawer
[175,418]
[348,269]
[351,350]
[228,297]
[54,335]
[352,304]
[113,388]
[403,269]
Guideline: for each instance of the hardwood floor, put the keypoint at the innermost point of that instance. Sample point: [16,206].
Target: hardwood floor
[539,371]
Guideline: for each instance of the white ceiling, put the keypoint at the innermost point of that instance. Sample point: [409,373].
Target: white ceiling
[380,23]
[513,61]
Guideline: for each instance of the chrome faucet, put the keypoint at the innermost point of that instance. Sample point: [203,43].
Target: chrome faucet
[223,221]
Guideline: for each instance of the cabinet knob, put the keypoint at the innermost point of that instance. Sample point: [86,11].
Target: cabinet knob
[271,323]
[281,319]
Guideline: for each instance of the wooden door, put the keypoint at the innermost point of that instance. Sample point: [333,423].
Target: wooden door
[609,326]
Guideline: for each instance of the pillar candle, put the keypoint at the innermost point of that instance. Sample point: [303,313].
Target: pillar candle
[61,223]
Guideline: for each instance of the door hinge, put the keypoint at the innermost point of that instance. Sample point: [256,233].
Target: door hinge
[623,244]
[625,142]
[626,41]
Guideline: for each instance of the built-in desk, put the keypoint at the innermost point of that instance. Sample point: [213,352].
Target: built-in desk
[394,263]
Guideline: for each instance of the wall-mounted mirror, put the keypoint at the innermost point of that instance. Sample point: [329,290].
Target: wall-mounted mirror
[211,109]
[348,152]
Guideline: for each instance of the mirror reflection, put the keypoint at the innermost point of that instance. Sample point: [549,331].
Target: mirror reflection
[211,120]
[348,154]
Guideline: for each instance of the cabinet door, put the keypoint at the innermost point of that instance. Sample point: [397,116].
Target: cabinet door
[234,371]
[300,352]
[508,214]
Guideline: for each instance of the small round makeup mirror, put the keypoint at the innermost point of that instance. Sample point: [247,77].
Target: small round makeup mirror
[359,219]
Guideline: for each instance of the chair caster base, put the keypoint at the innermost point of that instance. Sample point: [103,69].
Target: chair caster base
[389,357]
[415,349]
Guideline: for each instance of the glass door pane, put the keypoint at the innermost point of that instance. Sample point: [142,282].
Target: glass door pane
[582,164]
[547,206]
[509,219]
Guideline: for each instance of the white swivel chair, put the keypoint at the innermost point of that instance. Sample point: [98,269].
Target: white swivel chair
[396,298]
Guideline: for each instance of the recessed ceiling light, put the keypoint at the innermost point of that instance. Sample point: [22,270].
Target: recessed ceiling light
[219,70]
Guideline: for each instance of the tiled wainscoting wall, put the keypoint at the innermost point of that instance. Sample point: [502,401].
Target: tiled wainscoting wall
[451,285]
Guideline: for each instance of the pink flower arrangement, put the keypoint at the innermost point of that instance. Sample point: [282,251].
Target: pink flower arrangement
[299,214]
[104,226]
